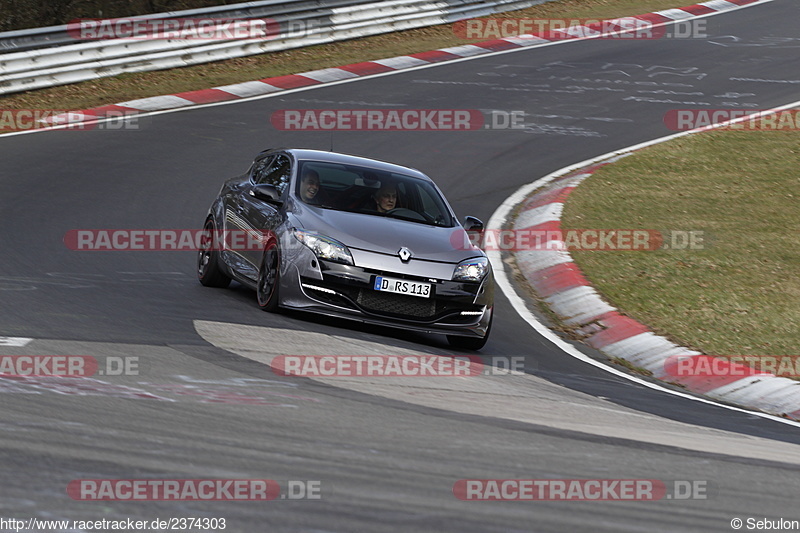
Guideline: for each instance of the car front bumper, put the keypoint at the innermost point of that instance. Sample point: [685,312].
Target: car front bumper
[344,291]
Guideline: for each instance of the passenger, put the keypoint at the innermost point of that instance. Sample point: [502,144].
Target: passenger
[309,187]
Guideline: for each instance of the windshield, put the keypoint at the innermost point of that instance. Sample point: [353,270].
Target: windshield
[371,192]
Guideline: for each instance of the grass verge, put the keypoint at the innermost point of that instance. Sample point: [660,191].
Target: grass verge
[141,85]
[739,294]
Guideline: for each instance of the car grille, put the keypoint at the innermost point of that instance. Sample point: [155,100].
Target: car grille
[396,304]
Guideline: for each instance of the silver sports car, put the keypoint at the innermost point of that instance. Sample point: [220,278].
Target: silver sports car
[349,237]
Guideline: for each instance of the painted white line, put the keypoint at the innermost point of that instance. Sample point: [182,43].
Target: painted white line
[541,259]
[540,215]
[632,23]
[402,62]
[154,103]
[506,395]
[328,74]
[526,40]
[248,88]
[505,209]
[577,31]
[579,305]
[718,5]
[465,50]
[675,14]
[14,341]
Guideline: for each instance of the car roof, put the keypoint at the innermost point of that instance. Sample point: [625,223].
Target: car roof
[345,159]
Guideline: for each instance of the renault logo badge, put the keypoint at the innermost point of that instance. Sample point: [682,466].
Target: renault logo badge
[405,254]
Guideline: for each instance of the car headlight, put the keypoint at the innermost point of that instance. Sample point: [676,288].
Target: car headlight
[471,269]
[324,247]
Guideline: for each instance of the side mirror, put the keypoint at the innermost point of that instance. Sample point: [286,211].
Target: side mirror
[472,224]
[267,193]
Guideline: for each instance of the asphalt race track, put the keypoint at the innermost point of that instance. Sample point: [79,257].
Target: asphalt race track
[386,453]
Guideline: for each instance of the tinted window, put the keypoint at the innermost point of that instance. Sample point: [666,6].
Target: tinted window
[351,188]
[274,170]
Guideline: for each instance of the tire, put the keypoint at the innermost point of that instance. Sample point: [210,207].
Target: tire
[208,271]
[269,278]
[470,343]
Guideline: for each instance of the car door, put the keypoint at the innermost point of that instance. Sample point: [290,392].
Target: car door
[260,216]
[235,223]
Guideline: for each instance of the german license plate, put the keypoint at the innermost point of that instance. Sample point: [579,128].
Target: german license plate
[402,286]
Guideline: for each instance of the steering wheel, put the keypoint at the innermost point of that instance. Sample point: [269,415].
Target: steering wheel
[407,213]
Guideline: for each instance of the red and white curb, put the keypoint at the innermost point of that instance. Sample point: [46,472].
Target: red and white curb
[268,86]
[561,285]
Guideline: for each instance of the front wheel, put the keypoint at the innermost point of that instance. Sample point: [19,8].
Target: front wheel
[268,277]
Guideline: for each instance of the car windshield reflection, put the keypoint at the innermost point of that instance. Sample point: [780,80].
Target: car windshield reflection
[371,192]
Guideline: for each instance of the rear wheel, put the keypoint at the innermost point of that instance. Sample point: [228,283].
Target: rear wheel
[268,278]
[471,343]
[208,271]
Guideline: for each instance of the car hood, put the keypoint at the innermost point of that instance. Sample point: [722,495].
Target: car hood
[387,235]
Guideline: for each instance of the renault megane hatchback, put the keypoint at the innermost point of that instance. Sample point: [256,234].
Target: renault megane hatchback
[349,237]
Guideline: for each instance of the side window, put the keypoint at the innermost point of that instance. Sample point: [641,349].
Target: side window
[274,170]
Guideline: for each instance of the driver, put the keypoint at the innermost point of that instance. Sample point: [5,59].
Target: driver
[385,198]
